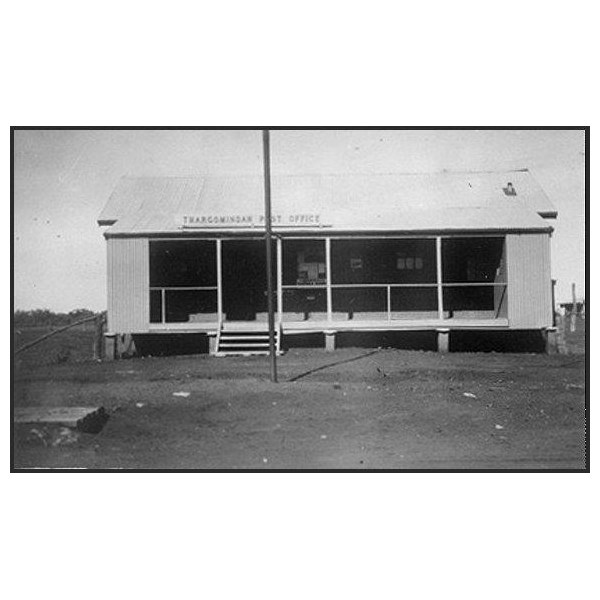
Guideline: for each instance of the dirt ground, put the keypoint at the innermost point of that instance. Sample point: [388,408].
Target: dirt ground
[351,409]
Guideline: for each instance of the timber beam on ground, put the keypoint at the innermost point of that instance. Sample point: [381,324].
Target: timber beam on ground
[83,418]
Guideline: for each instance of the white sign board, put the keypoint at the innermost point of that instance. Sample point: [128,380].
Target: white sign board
[217,221]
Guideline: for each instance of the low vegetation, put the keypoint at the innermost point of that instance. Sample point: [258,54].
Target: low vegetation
[72,345]
[42,317]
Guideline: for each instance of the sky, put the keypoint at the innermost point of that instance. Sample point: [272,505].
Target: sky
[62,179]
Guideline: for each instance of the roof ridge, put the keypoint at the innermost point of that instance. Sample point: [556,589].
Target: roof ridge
[331,174]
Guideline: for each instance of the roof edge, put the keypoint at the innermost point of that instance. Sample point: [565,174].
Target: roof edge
[220,233]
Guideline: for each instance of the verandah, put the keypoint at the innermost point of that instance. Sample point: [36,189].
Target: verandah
[329,279]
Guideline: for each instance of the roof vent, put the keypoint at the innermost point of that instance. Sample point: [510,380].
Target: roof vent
[509,190]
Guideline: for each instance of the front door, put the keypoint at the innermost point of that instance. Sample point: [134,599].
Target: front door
[244,280]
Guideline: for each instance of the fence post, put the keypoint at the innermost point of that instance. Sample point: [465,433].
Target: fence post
[99,337]
[573,309]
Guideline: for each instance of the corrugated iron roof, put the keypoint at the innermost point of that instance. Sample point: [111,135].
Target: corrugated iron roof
[380,202]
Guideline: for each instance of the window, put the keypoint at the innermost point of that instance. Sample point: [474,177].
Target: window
[408,263]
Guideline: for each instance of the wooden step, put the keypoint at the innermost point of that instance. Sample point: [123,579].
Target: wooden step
[247,345]
[246,342]
[242,353]
[226,336]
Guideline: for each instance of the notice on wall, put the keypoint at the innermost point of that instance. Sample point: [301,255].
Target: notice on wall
[217,221]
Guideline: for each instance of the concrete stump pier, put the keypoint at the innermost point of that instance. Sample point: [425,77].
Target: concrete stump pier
[212,342]
[552,340]
[443,340]
[330,341]
[110,346]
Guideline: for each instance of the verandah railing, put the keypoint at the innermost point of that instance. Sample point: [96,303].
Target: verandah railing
[176,304]
[395,299]
[367,300]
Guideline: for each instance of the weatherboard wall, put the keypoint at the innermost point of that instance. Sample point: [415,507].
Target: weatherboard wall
[128,285]
[529,281]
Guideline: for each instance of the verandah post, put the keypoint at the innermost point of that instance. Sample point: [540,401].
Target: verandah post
[279,281]
[219,282]
[328,278]
[440,293]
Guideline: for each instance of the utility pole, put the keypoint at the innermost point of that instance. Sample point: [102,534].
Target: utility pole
[268,242]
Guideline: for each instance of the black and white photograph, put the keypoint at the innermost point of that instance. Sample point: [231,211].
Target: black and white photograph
[298,299]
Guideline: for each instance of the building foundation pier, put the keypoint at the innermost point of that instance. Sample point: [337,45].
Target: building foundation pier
[212,342]
[552,343]
[110,346]
[443,340]
[330,341]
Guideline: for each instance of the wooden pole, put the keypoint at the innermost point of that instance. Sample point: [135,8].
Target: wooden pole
[269,251]
[328,279]
[279,283]
[99,337]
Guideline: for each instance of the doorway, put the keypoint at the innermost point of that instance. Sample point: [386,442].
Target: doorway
[245,280]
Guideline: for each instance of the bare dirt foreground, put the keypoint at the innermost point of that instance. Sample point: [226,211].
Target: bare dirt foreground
[352,409]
